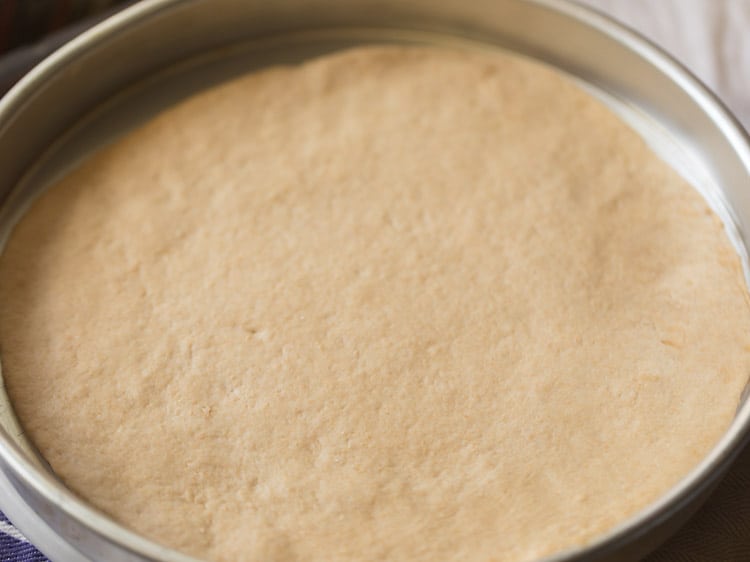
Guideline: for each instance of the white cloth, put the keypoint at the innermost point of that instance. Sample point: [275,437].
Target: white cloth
[710,37]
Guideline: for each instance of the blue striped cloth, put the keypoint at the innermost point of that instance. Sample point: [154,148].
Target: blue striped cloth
[14,547]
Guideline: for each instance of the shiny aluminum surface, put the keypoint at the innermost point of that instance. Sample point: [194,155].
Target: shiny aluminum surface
[159,51]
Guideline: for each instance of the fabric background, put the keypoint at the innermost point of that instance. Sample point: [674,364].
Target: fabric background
[24,21]
[712,38]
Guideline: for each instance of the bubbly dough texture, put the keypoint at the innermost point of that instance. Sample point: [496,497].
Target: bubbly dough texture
[401,304]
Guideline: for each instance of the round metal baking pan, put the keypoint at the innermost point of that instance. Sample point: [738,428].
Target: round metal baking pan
[157,52]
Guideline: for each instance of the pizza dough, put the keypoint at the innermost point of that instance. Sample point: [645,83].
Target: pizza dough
[400,304]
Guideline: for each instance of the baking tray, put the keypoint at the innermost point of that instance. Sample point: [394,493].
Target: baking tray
[157,52]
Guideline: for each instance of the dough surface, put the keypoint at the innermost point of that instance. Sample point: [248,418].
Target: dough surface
[401,304]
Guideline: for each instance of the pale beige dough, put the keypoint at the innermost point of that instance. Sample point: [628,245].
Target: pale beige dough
[396,304]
